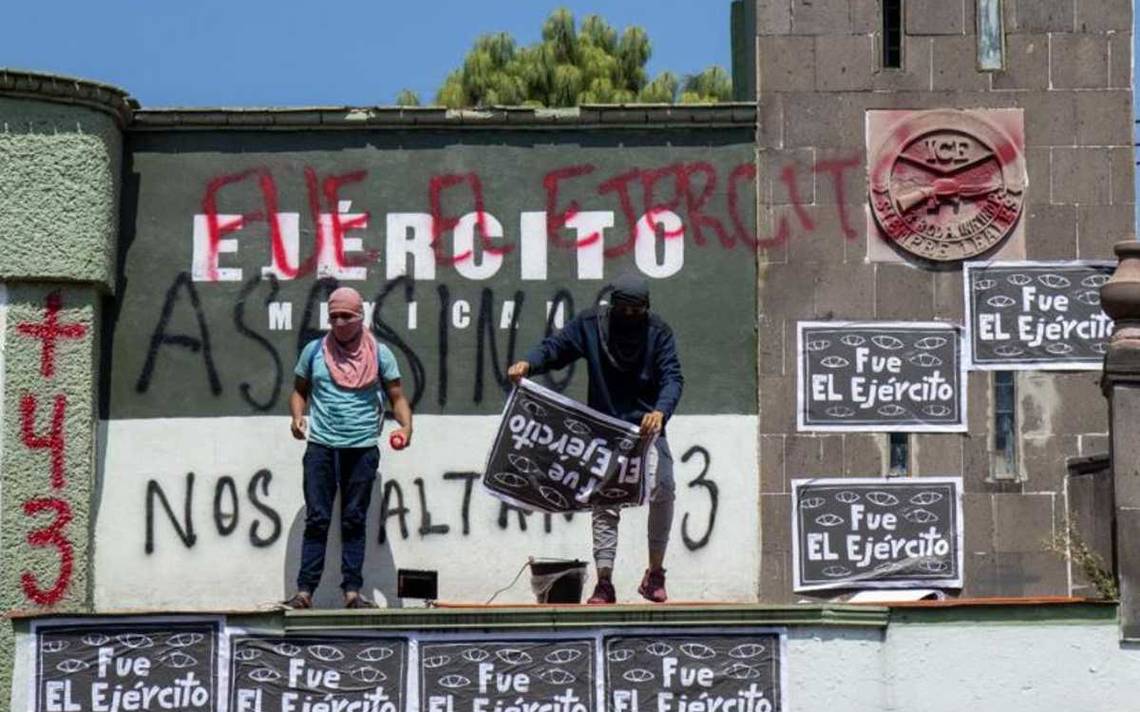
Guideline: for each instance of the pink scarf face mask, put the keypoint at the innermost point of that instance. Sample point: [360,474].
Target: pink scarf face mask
[350,350]
[346,332]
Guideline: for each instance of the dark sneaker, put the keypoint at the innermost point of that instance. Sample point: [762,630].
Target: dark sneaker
[652,586]
[353,599]
[300,599]
[603,593]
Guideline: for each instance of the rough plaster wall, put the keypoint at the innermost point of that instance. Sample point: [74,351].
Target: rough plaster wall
[27,472]
[59,170]
[1069,68]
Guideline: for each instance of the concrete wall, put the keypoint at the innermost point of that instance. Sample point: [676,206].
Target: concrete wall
[200,481]
[1068,68]
[997,661]
[60,149]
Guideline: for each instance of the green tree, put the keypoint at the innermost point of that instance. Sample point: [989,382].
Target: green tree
[407,97]
[571,65]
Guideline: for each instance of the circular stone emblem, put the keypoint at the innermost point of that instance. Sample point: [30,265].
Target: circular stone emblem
[946,185]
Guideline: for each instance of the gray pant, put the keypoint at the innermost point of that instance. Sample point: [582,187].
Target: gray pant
[605,520]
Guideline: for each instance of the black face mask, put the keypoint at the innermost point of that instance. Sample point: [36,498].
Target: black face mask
[627,338]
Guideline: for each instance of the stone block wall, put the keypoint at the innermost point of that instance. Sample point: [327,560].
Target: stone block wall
[1068,69]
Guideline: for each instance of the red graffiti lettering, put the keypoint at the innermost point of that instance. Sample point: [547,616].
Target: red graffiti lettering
[53,535]
[50,330]
[743,173]
[689,190]
[555,219]
[649,181]
[216,229]
[332,187]
[621,184]
[837,170]
[52,442]
[441,223]
[695,205]
[788,178]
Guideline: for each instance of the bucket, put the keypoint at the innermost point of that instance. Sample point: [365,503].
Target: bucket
[557,581]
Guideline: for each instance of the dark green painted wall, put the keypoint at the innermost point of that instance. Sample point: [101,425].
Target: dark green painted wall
[710,301]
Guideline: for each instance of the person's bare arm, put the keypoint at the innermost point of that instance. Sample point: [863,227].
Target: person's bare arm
[298,401]
[401,408]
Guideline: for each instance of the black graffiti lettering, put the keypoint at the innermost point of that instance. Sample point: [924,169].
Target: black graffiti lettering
[504,516]
[160,338]
[226,510]
[392,487]
[444,309]
[185,529]
[486,335]
[562,297]
[714,497]
[225,519]
[263,477]
[239,323]
[318,293]
[426,527]
[468,484]
[386,333]
[548,520]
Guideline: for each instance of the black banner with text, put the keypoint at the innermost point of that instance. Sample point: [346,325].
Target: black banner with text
[556,455]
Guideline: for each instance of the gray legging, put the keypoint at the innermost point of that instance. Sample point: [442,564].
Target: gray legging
[605,520]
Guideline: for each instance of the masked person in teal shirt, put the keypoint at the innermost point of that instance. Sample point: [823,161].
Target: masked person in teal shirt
[338,378]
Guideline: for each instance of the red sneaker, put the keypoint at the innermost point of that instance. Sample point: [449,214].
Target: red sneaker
[652,586]
[603,593]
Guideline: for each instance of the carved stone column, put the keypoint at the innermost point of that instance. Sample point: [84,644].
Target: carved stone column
[1120,298]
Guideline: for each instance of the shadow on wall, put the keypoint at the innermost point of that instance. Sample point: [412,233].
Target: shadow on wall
[379,564]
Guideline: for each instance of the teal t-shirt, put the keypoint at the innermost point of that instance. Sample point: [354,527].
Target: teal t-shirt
[340,417]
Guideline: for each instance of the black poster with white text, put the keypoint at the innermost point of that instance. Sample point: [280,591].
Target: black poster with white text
[275,674]
[488,675]
[161,667]
[877,533]
[880,376]
[713,672]
[1036,315]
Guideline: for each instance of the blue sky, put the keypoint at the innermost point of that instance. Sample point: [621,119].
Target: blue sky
[290,53]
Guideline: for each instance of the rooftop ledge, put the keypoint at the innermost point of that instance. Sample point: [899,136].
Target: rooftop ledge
[379,117]
[61,89]
[444,617]
[129,114]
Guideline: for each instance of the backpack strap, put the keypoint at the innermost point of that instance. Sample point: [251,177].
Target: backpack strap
[313,357]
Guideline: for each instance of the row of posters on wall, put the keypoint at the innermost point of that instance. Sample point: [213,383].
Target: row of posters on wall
[910,376]
[201,665]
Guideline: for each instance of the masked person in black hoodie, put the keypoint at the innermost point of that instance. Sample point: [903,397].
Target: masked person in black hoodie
[635,376]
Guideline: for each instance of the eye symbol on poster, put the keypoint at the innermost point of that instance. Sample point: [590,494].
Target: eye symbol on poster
[874,533]
[698,673]
[310,674]
[880,376]
[553,454]
[493,676]
[127,667]
[1036,315]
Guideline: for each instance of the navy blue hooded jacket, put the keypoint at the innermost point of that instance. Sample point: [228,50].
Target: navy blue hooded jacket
[627,395]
